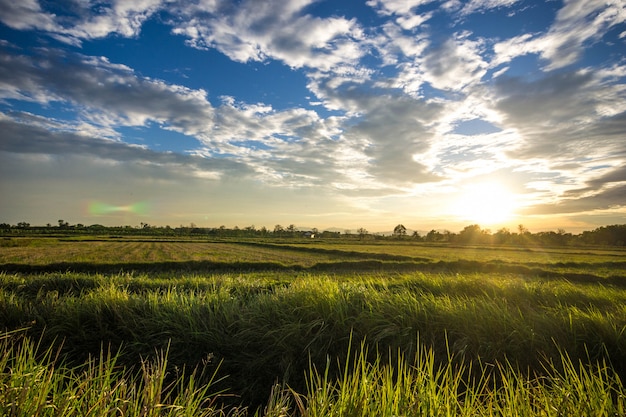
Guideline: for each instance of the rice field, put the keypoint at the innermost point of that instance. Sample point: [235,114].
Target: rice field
[53,251]
[186,328]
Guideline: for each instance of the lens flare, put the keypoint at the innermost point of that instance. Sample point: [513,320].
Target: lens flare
[97,208]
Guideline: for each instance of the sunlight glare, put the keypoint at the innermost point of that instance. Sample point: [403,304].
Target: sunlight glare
[485,203]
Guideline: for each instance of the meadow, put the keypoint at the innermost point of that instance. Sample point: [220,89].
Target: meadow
[122,326]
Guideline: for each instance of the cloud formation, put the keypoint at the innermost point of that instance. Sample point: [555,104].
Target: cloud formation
[74,22]
[273,29]
[103,92]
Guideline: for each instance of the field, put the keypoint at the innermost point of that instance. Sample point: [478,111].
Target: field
[122,326]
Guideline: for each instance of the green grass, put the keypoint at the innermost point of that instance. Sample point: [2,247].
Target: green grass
[266,328]
[36,383]
[346,330]
[422,387]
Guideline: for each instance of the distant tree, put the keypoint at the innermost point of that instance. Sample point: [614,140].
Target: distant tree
[291,229]
[329,234]
[433,236]
[399,231]
[472,234]
[550,238]
[362,233]
[523,235]
[606,235]
[278,229]
[502,236]
[416,235]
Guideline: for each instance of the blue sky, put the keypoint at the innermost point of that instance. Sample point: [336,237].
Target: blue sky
[433,114]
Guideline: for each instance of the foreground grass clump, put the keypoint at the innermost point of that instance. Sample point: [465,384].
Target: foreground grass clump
[423,388]
[35,383]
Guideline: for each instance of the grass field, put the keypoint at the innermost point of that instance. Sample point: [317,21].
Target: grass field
[129,327]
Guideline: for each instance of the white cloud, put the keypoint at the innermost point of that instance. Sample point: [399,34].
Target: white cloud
[390,130]
[509,49]
[26,14]
[58,141]
[398,7]
[411,22]
[277,29]
[453,65]
[394,46]
[578,23]
[106,93]
[562,105]
[88,19]
[481,6]
[121,17]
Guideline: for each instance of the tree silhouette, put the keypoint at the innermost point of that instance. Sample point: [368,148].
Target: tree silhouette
[399,230]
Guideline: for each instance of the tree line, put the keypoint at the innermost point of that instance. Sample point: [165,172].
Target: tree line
[612,235]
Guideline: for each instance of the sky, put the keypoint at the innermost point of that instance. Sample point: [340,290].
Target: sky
[434,114]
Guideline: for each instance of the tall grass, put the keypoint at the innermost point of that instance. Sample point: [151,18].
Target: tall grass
[34,381]
[425,388]
[265,328]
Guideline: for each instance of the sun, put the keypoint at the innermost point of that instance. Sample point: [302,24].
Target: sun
[484,203]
